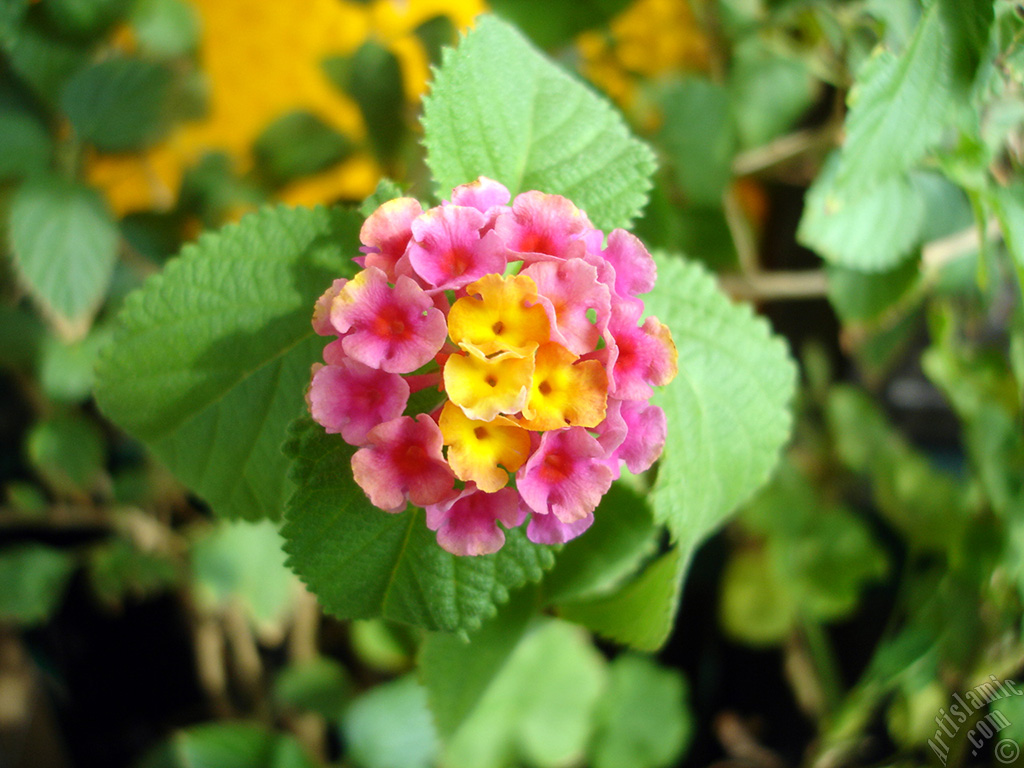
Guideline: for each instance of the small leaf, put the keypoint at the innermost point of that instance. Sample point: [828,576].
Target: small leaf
[33,577]
[210,358]
[642,612]
[118,104]
[85,18]
[65,246]
[498,108]
[228,745]
[375,82]
[243,562]
[319,685]
[45,61]
[68,453]
[872,229]
[901,105]
[756,607]
[728,409]
[699,137]
[363,562]
[119,569]
[298,144]
[390,727]
[643,720]
[550,23]
[862,296]
[166,28]
[26,147]
[539,709]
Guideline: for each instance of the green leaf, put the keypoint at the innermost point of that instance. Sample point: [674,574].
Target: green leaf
[901,105]
[381,645]
[539,709]
[458,671]
[210,358]
[728,409]
[298,144]
[551,23]
[390,727]
[66,370]
[622,536]
[68,452]
[643,720]
[85,17]
[871,229]
[65,246]
[768,92]
[1008,204]
[642,612]
[243,563]
[45,61]
[33,576]
[119,104]
[26,146]
[166,28]
[862,296]
[319,685]
[362,562]
[699,137]
[228,745]
[375,82]
[498,108]
[386,189]
[755,606]
[119,569]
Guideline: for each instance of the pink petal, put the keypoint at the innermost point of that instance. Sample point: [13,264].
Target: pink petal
[635,271]
[322,311]
[548,529]
[541,226]
[468,523]
[397,329]
[565,476]
[447,250]
[486,195]
[638,357]
[402,461]
[352,398]
[386,233]
[568,289]
[645,437]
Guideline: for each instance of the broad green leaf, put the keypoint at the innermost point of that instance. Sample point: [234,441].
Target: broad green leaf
[755,605]
[363,562]
[550,23]
[118,104]
[166,28]
[68,452]
[901,105]
[390,727]
[622,536]
[243,563]
[640,613]
[65,246]
[862,296]
[728,409]
[643,720]
[498,108]
[228,745]
[539,709]
[210,358]
[871,229]
[298,144]
[33,578]
[700,139]
[319,685]
[458,671]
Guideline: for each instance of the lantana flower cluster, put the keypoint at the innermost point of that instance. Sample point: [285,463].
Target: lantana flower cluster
[518,329]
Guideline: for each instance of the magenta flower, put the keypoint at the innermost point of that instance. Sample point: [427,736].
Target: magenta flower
[351,398]
[566,476]
[448,250]
[530,326]
[395,328]
[467,524]
[402,462]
